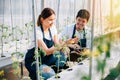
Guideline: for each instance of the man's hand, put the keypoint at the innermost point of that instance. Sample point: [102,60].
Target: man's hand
[73,41]
[74,46]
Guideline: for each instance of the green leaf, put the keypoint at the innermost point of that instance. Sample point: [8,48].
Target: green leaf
[41,52]
[33,63]
[85,78]
[101,65]
[100,49]
[108,54]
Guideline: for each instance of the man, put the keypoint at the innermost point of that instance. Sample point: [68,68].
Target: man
[78,32]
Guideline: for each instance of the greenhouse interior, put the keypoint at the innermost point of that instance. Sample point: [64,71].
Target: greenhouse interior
[56,54]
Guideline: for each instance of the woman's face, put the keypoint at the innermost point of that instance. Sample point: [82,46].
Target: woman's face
[80,23]
[48,22]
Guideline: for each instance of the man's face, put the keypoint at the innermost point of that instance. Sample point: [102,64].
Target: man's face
[80,23]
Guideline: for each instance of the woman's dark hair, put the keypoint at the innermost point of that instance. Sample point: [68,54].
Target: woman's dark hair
[83,13]
[46,12]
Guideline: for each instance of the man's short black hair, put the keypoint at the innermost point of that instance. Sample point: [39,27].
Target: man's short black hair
[83,13]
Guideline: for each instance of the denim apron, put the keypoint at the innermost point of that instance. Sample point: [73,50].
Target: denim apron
[82,42]
[29,58]
[50,59]
[47,60]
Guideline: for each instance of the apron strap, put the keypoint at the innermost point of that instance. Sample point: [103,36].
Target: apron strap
[74,31]
[84,35]
[73,35]
[49,33]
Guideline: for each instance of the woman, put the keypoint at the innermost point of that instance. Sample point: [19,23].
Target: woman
[46,34]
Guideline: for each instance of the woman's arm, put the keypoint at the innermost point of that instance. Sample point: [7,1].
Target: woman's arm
[56,40]
[42,45]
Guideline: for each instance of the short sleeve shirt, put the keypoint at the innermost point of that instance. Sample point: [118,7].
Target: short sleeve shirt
[68,32]
[39,35]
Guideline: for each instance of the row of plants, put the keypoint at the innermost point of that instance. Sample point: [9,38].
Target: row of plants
[101,49]
[12,37]
[14,34]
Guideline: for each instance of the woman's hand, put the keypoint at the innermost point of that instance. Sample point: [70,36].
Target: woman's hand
[62,47]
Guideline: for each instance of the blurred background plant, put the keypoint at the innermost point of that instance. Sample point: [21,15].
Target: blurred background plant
[17,59]
[2,75]
[101,54]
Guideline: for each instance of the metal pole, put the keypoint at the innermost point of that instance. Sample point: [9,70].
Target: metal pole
[83,6]
[36,46]
[11,18]
[57,21]
[92,32]
[89,5]
[101,19]
[2,55]
[74,9]
[42,4]
[111,14]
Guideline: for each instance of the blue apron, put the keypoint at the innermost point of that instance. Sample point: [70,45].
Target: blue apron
[47,60]
[50,59]
[82,42]
[29,58]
